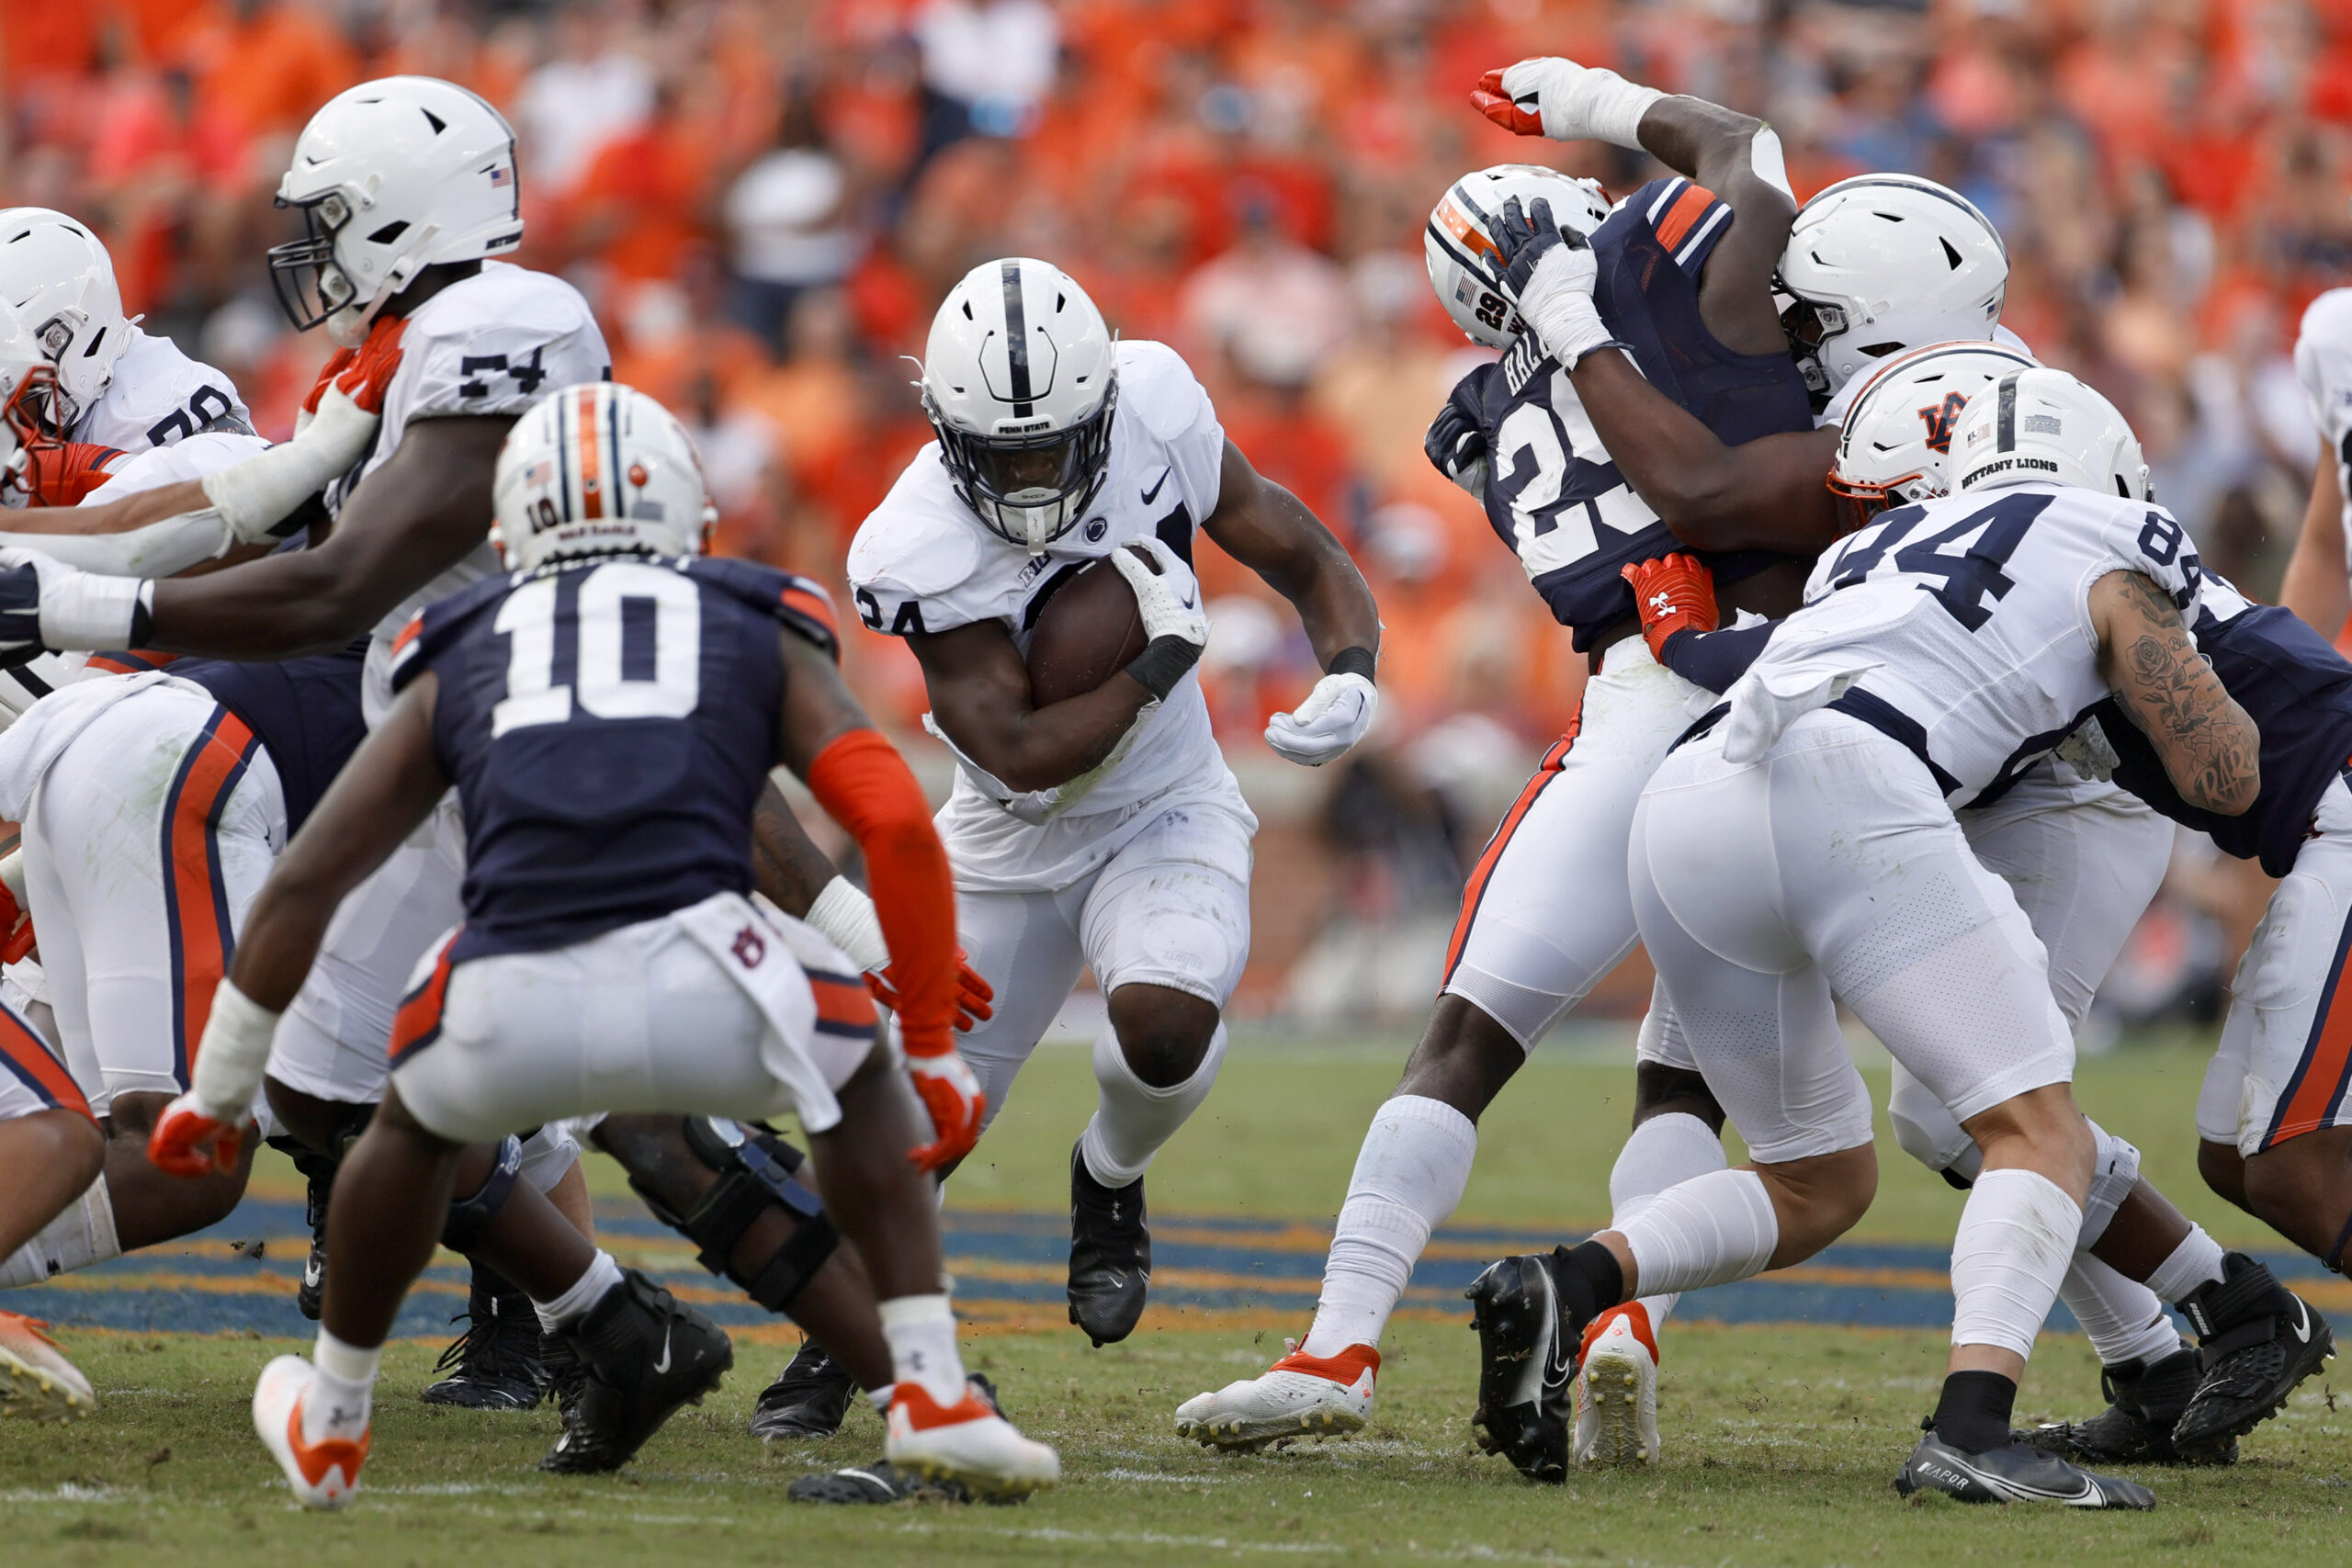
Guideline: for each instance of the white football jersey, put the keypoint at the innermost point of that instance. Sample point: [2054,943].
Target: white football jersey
[1965,623]
[923,563]
[2323,364]
[494,344]
[159,396]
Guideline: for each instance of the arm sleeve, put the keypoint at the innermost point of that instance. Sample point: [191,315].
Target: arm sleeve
[159,549]
[1715,659]
[865,785]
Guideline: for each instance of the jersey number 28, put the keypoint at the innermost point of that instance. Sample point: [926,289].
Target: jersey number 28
[660,682]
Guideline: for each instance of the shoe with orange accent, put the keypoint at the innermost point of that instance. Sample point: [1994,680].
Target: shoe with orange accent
[36,1380]
[1300,1396]
[324,1474]
[969,1442]
[1617,1390]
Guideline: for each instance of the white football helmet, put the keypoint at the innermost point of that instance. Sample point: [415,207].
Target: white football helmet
[596,469]
[1880,264]
[1898,428]
[60,279]
[1459,241]
[28,388]
[391,177]
[2043,426]
[1020,380]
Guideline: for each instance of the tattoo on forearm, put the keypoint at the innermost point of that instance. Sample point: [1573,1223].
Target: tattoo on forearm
[2174,695]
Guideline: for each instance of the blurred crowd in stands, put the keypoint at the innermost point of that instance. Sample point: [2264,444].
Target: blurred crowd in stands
[765,198]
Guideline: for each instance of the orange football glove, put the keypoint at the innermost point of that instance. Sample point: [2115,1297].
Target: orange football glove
[1675,594]
[952,1094]
[1489,99]
[186,1142]
[973,994]
[60,473]
[364,373]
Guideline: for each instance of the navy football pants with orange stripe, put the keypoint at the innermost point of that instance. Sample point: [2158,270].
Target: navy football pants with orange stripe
[2284,1066]
[146,841]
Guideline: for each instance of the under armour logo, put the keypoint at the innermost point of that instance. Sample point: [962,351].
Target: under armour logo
[750,948]
[1661,603]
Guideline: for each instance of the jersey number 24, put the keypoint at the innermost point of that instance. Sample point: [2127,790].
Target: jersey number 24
[602,684]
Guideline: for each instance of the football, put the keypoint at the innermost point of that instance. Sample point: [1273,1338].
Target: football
[1087,631]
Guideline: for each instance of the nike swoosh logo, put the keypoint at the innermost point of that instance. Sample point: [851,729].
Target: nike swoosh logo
[1149,495]
[2304,1329]
[663,1364]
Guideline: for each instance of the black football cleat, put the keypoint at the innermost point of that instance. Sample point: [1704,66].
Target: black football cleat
[2144,1400]
[310,1299]
[647,1355]
[567,1374]
[1526,1366]
[880,1481]
[808,1400]
[2258,1339]
[1109,1255]
[495,1363]
[2012,1474]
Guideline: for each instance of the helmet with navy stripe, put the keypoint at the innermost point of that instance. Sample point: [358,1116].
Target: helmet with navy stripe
[1020,380]
[391,177]
[1898,429]
[1459,241]
[597,470]
[2044,426]
[59,278]
[1880,264]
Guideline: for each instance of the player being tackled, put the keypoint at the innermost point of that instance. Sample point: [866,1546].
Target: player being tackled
[608,711]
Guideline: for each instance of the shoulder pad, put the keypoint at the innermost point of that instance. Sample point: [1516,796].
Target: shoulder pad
[799,603]
[1685,217]
[1158,388]
[430,631]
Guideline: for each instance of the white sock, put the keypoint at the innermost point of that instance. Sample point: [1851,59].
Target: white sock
[922,1332]
[1661,1152]
[2016,1239]
[2196,1261]
[1711,1230]
[1410,1174]
[1131,1118]
[343,1386]
[81,1235]
[2125,1320]
[601,1275]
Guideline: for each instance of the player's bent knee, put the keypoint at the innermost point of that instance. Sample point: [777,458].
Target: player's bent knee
[1819,1197]
[2223,1170]
[712,1180]
[327,1128]
[470,1216]
[1163,1033]
[1463,1058]
[66,1142]
[1660,1089]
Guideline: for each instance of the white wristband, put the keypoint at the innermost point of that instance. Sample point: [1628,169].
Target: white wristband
[85,612]
[844,916]
[232,1055]
[1563,317]
[255,495]
[1613,108]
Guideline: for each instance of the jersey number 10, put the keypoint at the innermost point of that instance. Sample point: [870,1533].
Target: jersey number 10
[602,684]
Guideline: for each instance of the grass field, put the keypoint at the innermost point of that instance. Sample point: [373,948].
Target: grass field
[1781,1439]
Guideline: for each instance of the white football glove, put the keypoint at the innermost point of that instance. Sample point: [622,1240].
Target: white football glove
[1167,594]
[1579,102]
[45,604]
[254,496]
[1334,716]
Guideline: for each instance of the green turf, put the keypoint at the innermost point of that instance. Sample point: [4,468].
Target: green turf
[1781,1441]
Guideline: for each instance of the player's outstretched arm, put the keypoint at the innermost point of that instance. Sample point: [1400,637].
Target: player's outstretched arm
[2210,748]
[391,784]
[2315,586]
[1269,530]
[980,695]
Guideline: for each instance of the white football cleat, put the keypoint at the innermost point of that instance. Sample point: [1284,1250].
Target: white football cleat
[324,1474]
[36,1380]
[1617,1390]
[1300,1396]
[967,1442]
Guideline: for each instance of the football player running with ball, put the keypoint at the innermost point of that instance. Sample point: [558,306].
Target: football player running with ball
[613,694]
[1102,831]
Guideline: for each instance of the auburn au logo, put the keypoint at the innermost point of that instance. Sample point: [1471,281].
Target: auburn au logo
[1939,418]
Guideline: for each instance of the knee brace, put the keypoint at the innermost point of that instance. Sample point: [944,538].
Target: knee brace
[755,1170]
[2114,1172]
[470,1218]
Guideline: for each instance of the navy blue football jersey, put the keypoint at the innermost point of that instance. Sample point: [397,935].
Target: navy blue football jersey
[305,712]
[2298,691]
[1553,495]
[608,724]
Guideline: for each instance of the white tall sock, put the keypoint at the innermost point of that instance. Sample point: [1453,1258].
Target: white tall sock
[1131,1118]
[601,1275]
[2125,1320]
[1410,1174]
[343,1386]
[1711,1230]
[922,1334]
[2196,1261]
[1661,1152]
[2016,1239]
[81,1235]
